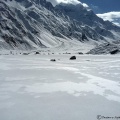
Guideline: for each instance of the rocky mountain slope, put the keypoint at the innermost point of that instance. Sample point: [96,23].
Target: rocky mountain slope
[35,24]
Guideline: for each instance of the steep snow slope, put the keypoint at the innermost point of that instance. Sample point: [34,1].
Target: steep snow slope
[34,24]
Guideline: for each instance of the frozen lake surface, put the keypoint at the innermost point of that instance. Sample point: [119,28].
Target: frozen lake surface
[34,88]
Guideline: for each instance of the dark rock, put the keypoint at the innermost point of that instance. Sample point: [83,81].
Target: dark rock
[83,36]
[25,53]
[114,51]
[37,53]
[68,53]
[53,60]
[73,58]
[80,53]
[105,48]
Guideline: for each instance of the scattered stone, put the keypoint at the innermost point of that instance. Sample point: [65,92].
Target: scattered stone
[73,58]
[67,53]
[37,53]
[25,53]
[53,60]
[114,51]
[80,53]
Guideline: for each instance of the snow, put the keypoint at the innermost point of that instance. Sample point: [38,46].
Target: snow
[34,88]
[13,3]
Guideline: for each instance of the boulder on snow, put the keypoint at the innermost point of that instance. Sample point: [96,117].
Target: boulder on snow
[73,58]
[37,53]
[53,60]
[25,53]
[114,51]
[80,53]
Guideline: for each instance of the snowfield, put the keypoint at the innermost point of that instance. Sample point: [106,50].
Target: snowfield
[34,88]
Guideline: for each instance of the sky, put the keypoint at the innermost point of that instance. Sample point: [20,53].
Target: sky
[98,6]
[106,9]
[103,6]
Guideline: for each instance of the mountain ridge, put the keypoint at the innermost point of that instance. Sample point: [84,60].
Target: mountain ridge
[27,24]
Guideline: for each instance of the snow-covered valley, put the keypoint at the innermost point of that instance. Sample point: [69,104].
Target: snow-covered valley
[36,24]
[34,88]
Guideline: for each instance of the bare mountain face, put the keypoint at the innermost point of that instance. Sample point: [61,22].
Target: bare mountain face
[34,24]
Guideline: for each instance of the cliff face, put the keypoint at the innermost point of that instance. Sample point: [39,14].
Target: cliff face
[34,24]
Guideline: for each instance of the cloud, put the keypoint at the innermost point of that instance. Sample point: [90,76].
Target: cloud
[55,2]
[111,16]
[68,1]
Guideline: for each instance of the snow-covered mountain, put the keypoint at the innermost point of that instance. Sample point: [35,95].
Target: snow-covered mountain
[34,24]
